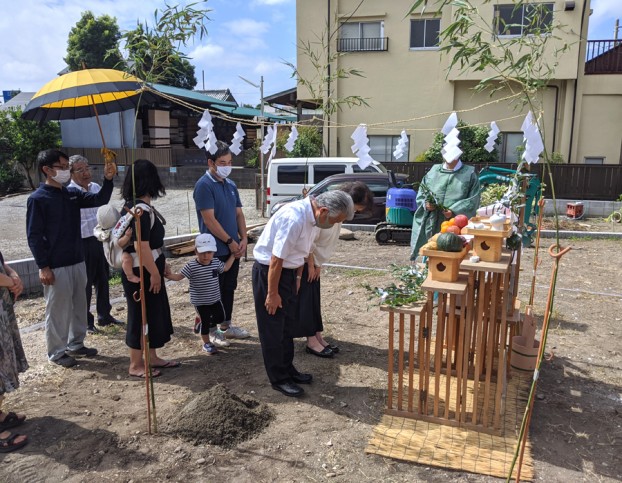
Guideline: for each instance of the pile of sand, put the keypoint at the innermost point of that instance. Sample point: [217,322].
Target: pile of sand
[220,418]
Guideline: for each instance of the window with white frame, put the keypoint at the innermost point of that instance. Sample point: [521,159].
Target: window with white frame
[509,151]
[516,20]
[424,34]
[361,36]
[594,160]
[382,147]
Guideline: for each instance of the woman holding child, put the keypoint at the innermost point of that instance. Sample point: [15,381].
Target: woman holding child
[141,186]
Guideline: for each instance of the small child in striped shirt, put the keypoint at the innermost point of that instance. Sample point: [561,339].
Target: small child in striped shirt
[202,273]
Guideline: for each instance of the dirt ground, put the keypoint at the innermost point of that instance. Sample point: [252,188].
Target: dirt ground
[89,422]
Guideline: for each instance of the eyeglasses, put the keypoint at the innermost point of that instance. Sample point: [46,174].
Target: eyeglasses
[63,167]
[82,170]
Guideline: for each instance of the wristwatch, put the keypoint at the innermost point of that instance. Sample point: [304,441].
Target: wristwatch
[229,241]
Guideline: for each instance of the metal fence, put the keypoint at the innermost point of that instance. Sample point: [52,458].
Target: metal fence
[571,181]
[603,57]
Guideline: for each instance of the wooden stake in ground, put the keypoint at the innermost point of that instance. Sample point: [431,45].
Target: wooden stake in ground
[522,439]
[137,213]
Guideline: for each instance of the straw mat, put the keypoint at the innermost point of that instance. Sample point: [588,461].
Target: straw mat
[462,449]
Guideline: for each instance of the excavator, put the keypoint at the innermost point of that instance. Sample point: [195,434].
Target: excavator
[401,206]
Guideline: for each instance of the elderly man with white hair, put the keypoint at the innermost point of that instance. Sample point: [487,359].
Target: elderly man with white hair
[97,271]
[280,255]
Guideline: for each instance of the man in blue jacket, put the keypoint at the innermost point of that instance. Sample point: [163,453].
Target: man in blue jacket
[53,230]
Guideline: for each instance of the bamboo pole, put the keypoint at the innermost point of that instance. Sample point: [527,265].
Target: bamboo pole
[137,213]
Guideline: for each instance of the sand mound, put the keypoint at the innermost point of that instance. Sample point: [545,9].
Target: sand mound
[219,417]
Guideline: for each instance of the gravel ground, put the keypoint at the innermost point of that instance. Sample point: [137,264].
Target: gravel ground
[177,207]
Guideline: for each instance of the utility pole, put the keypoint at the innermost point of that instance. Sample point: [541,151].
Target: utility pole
[261,163]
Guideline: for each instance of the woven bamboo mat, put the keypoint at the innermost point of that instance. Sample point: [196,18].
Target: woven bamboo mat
[455,448]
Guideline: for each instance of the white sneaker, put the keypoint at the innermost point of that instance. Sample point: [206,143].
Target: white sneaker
[217,338]
[234,332]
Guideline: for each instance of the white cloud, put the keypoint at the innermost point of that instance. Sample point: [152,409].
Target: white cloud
[270,2]
[247,26]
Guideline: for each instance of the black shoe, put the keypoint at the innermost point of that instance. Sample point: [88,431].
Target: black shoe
[326,352]
[289,389]
[109,321]
[92,330]
[333,347]
[65,361]
[82,352]
[301,377]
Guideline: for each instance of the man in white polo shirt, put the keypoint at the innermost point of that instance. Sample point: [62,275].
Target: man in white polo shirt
[279,255]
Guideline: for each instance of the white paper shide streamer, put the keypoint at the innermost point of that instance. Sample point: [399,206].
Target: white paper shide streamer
[361,146]
[533,140]
[492,137]
[238,137]
[205,137]
[450,150]
[293,135]
[402,146]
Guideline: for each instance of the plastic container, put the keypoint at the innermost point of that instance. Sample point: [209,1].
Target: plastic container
[402,198]
[400,216]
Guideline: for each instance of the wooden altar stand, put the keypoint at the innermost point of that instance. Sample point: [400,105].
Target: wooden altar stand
[449,364]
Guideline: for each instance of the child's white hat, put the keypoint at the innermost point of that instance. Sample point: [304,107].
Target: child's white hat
[205,243]
[107,216]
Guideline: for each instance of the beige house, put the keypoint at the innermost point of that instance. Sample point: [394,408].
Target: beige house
[406,77]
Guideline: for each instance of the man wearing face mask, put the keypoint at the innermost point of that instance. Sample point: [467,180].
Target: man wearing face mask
[219,211]
[280,255]
[54,237]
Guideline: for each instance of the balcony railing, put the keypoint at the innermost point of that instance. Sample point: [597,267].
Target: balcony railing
[603,57]
[363,45]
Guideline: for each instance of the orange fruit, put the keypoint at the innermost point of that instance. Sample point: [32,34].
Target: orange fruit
[453,229]
[444,226]
[451,221]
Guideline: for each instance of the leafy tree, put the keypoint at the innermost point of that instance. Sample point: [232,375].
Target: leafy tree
[308,144]
[94,42]
[472,141]
[21,141]
[154,52]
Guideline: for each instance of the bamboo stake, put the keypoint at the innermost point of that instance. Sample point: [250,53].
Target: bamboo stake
[522,438]
[138,212]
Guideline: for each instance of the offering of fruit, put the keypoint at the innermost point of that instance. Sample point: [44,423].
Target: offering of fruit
[453,229]
[461,221]
[450,242]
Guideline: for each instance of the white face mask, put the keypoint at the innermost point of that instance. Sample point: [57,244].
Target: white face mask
[62,176]
[223,171]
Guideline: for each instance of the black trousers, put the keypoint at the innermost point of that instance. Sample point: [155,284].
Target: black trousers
[211,316]
[97,275]
[228,283]
[277,344]
[308,319]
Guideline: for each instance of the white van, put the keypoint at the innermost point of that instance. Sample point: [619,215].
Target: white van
[289,177]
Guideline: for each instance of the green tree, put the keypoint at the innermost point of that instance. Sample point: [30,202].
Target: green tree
[94,42]
[472,141]
[308,144]
[21,141]
[154,53]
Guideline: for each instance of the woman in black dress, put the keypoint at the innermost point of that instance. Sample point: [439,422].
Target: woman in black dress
[141,186]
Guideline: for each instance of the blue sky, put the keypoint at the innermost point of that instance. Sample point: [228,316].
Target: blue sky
[245,37]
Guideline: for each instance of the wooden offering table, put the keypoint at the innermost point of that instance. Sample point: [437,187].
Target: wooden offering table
[492,302]
[451,368]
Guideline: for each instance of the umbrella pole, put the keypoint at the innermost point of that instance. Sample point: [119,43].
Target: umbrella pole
[145,327]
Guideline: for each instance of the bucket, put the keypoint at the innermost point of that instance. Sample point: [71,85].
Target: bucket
[523,358]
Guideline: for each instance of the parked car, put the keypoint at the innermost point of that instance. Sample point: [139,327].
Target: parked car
[289,177]
[378,183]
